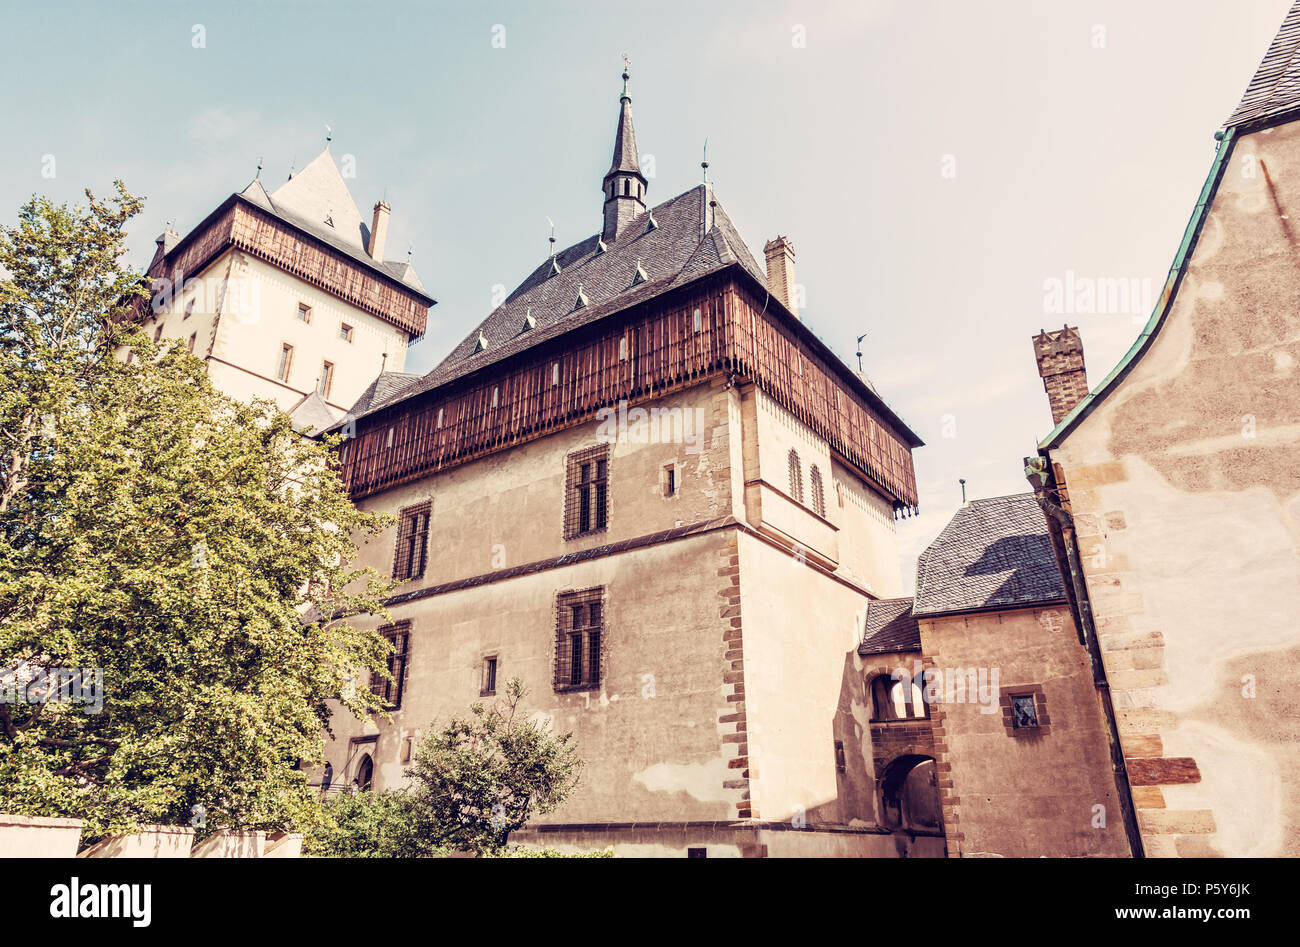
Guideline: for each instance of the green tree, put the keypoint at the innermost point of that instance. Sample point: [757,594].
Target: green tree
[473,782]
[190,548]
[481,777]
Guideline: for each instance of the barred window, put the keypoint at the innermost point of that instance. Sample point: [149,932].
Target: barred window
[412,542]
[578,627]
[586,504]
[390,692]
[815,486]
[796,476]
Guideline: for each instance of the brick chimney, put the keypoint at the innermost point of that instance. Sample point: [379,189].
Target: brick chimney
[1060,363]
[379,231]
[780,271]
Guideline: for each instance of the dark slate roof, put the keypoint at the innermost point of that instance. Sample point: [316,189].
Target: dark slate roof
[676,252]
[890,627]
[625,154]
[994,553]
[383,387]
[1275,88]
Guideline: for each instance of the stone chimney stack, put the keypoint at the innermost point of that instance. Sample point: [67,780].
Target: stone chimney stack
[167,240]
[379,231]
[1060,363]
[780,272]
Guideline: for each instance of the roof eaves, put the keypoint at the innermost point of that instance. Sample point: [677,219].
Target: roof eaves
[1163,305]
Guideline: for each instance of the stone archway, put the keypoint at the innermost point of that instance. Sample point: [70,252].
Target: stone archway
[909,795]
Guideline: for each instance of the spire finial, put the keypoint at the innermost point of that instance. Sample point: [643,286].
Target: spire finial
[329,135]
[259,168]
[705,162]
[627,64]
[552,237]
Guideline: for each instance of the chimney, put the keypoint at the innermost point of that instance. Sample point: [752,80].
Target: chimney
[379,231]
[780,271]
[167,240]
[1060,363]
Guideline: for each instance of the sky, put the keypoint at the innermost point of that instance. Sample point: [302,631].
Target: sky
[936,164]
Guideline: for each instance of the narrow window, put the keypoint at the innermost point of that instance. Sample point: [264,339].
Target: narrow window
[840,763]
[489,677]
[326,379]
[157,334]
[578,631]
[626,184]
[622,349]
[345,332]
[1024,715]
[440,417]
[496,395]
[189,308]
[365,774]
[304,313]
[412,548]
[815,485]
[194,337]
[555,374]
[285,363]
[670,481]
[390,692]
[796,477]
[586,505]
[699,321]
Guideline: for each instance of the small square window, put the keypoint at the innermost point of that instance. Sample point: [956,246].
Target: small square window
[697,853]
[1024,714]
[304,313]
[345,332]
[489,677]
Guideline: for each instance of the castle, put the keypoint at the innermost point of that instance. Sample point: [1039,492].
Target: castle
[644,487]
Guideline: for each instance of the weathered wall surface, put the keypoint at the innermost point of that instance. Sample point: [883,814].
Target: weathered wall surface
[1185,487]
[1027,793]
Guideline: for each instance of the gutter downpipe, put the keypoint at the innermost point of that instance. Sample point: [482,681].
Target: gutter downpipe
[1088,637]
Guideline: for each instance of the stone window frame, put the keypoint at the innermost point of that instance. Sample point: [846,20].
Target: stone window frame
[592,652]
[1040,708]
[599,505]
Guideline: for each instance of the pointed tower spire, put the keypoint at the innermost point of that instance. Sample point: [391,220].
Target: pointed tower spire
[624,184]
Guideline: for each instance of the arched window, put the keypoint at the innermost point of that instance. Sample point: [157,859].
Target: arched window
[365,773]
[896,700]
[796,476]
[818,496]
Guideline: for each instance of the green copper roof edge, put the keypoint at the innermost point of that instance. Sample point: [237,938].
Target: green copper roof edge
[1163,304]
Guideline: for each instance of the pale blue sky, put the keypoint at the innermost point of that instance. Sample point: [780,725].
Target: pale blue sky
[1069,155]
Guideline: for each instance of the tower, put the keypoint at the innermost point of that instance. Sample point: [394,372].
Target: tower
[624,185]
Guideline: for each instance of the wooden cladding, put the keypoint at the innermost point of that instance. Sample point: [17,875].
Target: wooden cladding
[546,389]
[265,236]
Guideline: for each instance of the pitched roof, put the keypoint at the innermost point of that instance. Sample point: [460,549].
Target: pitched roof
[311,415]
[317,200]
[679,250]
[625,154]
[385,385]
[889,627]
[994,553]
[1275,87]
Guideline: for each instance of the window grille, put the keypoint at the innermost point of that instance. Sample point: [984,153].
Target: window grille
[578,632]
[390,692]
[586,505]
[796,476]
[815,486]
[412,542]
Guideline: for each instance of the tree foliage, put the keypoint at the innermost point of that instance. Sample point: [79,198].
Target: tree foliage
[191,548]
[473,782]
